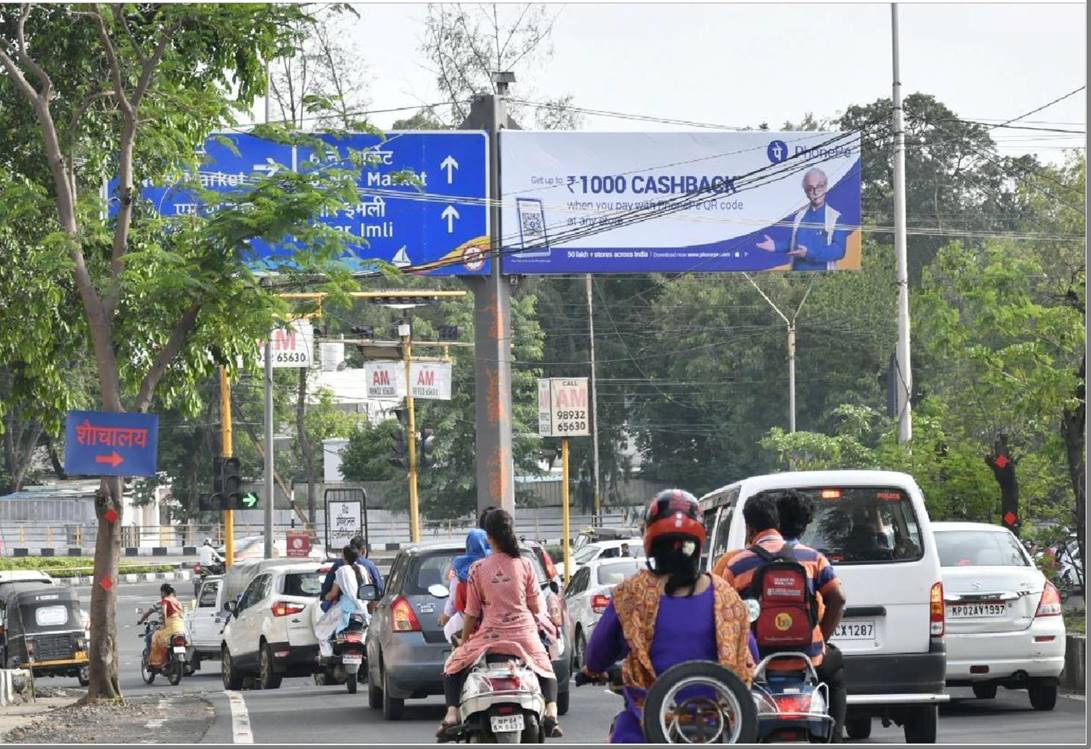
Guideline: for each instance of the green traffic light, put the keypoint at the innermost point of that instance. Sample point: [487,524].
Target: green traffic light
[249,500]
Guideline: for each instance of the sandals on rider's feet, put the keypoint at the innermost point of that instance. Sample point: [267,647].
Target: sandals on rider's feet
[446,732]
[550,729]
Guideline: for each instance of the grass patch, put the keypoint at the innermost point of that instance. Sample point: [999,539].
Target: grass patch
[1075,622]
[74,566]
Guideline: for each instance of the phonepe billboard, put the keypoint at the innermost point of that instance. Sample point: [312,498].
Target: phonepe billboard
[680,202]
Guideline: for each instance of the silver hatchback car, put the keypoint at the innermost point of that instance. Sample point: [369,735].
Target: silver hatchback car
[406,648]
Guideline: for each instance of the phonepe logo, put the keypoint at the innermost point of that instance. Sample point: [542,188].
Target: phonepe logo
[777,151]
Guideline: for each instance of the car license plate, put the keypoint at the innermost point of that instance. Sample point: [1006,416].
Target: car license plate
[352,659]
[179,649]
[975,610]
[505,723]
[855,630]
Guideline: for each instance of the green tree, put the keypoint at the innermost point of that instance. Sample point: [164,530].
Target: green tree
[131,92]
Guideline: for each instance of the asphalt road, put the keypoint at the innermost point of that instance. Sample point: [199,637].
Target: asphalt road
[293,713]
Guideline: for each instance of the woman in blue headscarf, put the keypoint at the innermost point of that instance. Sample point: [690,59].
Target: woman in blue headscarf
[477,548]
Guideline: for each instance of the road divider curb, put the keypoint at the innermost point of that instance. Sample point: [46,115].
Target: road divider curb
[240,718]
[78,551]
[129,578]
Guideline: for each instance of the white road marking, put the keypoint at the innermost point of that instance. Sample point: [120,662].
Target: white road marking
[240,718]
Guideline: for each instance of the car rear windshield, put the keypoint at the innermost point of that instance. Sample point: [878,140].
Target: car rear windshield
[615,572]
[306,584]
[979,549]
[863,525]
[434,568]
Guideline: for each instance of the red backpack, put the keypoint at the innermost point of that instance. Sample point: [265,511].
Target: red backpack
[789,608]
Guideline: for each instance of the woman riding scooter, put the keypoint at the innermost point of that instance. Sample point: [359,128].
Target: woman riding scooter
[170,608]
[668,614]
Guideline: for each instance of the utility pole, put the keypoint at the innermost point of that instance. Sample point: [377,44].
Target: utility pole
[594,403]
[492,325]
[904,383]
[405,332]
[791,323]
[227,450]
[270,486]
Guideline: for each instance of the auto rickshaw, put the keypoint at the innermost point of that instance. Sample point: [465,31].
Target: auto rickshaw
[42,629]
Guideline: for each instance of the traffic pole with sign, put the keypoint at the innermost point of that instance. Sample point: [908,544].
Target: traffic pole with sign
[406,332]
[565,529]
[226,450]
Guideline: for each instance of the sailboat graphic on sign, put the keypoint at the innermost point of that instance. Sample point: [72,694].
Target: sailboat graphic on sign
[401,258]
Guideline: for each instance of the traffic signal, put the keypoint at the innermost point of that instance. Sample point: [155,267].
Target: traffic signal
[448,332]
[231,483]
[204,503]
[400,456]
[249,501]
[426,442]
[217,475]
[366,332]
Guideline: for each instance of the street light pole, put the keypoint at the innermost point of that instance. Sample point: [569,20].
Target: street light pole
[904,371]
[594,403]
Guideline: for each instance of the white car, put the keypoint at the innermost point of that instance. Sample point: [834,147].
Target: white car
[1004,622]
[874,528]
[589,593]
[270,634]
[632,547]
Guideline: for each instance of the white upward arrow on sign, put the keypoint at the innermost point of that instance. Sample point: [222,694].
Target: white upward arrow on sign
[450,165]
[450,214]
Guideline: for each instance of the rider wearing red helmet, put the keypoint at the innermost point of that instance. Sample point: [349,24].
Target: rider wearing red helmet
[669,613]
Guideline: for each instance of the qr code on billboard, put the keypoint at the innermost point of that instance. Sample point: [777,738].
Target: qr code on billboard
[532,224]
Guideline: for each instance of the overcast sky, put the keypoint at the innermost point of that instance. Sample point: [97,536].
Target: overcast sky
[742,64]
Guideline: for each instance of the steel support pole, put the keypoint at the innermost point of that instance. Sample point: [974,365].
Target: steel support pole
[492,332]
[411,439]
[227,450]
[594,402]
[792,377]
[270,486]
[904,383]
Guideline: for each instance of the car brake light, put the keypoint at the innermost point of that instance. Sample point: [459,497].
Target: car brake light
[550,568]
[281,608]
[599,602]
[1050,605]
[405,619]
[830,494]
[935,618]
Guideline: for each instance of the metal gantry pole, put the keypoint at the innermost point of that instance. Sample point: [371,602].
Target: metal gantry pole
[594,402]
[904,383]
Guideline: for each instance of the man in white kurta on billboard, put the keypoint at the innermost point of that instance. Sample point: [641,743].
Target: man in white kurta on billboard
[817,242]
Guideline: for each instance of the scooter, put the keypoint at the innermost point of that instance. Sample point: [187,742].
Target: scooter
[178,652]
[793,703]
[346,665]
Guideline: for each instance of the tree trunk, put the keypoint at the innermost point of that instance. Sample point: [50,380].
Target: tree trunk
[103,668]
[20,443]
[1073,423]
[1003,468]
[306,450]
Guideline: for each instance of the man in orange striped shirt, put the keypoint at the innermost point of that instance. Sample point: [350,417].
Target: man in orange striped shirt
[763,524]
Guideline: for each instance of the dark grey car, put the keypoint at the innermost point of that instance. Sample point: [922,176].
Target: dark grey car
[406,648]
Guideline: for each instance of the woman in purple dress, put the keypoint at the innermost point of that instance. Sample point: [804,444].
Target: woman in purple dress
[668,614]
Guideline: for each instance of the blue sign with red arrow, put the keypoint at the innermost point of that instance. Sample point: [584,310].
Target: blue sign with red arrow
[110,444]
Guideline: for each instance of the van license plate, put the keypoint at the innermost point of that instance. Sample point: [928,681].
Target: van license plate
[974,610]
[505,723]
[179,649]
[855,630]
[350,659]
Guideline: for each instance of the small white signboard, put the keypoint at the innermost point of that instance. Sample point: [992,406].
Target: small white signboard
[293,347]
[430,380]
[344,519]
[563,407]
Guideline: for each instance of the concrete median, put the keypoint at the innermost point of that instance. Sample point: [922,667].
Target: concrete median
[1073,678]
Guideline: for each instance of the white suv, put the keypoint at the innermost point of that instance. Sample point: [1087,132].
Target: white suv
[873,527]
[1004,623]
[269,634]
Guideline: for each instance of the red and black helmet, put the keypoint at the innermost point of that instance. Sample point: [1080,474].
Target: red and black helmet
[673,513]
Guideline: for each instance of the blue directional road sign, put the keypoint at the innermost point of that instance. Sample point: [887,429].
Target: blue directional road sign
[422,196]
[110,444]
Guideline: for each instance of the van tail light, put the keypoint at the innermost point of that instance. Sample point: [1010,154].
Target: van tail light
[1050,605]
[405,619]
[599,602]
[935,612]
[550,568]
[282,608]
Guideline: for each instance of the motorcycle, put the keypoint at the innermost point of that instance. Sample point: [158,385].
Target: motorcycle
[346,665]
[201,571]
[179,660]
[501,701]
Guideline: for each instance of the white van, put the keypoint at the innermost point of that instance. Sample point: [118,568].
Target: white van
[873,527]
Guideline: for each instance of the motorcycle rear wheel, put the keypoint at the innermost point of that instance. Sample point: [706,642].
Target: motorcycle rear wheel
[659,724]
[174,676]
[146,671]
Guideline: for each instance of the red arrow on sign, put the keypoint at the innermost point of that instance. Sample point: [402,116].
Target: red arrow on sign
[113,459]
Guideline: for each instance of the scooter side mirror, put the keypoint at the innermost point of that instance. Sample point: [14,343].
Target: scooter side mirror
[753,609]
[438,591]
[231,607]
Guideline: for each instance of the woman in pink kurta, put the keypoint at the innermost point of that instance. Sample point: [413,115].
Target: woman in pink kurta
[502,595]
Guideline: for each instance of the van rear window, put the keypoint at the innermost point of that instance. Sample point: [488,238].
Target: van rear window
[863,525]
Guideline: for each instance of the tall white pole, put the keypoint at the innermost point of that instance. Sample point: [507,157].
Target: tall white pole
[270,486]
[905,373]
[594,404]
